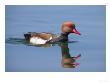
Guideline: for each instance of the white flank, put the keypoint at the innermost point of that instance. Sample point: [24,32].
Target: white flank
[37,40]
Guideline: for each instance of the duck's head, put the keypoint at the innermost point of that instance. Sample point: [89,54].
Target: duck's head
[69,27]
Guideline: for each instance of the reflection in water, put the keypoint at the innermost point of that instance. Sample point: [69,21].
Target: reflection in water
[67,61]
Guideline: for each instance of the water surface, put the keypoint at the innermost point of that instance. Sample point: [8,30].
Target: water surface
[23,57]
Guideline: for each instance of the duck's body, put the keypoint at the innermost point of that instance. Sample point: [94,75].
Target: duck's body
[43,38]
[39,38]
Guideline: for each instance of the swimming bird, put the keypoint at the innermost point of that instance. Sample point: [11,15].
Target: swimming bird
[43,38]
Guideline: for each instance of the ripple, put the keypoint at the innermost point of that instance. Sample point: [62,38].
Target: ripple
[18,41]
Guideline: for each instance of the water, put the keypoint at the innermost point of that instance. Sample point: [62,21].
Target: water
[24,57]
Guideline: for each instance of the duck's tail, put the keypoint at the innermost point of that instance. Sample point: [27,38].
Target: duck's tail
[27,36]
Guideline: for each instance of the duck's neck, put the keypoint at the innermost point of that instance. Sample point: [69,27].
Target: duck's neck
[64,36]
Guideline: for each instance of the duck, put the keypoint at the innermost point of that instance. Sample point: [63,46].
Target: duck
[45,37]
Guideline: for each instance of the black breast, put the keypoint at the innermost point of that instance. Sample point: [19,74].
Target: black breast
[61,38]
